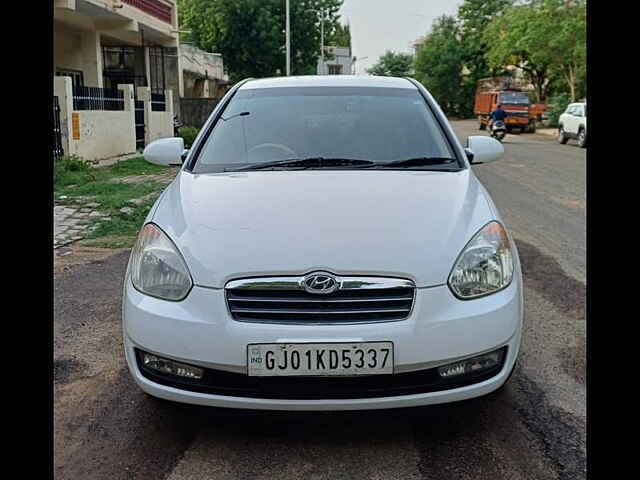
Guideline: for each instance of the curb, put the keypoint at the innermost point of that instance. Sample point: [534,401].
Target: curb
[550,132]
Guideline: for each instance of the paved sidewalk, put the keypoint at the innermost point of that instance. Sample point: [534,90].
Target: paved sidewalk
[551,132]
[71,223]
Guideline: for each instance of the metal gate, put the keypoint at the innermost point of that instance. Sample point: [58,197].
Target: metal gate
[58,152]
[139,111]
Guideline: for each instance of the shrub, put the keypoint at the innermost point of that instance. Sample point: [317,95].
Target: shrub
[189,135]
[71,165]
[70,169]
[557,106]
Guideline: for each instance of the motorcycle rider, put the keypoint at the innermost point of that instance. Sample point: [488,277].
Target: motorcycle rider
[497,115]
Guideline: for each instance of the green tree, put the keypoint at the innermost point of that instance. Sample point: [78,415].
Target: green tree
[519,39]
[340,37]
[393,64]
[439,66]
[567,21]
[250,34]
[473,18]
[545,38]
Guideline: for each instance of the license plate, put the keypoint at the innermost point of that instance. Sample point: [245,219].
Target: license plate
[319,359]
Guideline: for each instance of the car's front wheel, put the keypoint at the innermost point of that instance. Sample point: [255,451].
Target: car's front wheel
[562,137]
[582,138]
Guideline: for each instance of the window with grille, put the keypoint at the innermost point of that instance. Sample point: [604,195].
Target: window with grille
[77,78]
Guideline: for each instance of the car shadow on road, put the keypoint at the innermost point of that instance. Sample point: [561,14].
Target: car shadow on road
[358,444]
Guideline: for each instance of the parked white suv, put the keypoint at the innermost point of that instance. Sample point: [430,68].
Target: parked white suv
[325,246]
[573,124]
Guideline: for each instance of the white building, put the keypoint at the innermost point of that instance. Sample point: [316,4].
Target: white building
[203,73]
[339,63]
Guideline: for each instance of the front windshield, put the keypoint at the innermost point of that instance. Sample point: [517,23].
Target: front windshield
[514,98]
[283,123]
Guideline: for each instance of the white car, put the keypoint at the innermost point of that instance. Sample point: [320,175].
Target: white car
[325,246]
[573,124]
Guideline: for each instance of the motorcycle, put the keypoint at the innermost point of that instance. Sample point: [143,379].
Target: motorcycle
[498,130]
[176,126]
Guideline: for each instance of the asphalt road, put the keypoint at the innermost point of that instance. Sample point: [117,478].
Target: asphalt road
[105,428]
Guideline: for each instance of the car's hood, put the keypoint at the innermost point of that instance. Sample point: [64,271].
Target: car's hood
[392,223]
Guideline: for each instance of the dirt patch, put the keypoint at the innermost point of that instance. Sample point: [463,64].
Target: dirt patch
[560,433]
[65,368]
[105,427]
[544,274]
[64,259]
[569,202]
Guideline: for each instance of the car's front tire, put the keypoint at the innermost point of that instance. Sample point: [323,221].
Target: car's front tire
[562,137]
[582,138]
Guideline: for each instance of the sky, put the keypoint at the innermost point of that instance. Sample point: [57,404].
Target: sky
[381,25]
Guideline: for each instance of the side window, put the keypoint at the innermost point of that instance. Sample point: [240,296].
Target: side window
[579,111]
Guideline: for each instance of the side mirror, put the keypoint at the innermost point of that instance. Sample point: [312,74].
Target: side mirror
[483,149]
[165,151]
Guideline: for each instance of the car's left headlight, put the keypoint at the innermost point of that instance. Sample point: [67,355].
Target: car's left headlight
[485,264]
[157,267]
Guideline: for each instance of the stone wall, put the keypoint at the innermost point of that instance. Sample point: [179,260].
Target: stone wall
[194,112]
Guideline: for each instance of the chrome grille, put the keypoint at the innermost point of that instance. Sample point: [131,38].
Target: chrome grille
[285,300]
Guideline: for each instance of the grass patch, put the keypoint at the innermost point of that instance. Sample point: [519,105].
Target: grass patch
[121,224]
[80,176]
[98,185]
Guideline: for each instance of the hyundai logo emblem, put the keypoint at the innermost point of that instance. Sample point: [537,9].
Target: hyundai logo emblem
[320,282]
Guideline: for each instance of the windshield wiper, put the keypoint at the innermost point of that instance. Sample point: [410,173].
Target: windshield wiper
[241,114]
[304,163]
[420,162]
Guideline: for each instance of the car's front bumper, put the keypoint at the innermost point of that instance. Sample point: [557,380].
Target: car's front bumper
[441,329]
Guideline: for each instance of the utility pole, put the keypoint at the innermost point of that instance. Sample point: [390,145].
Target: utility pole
[322,72]
[288,41]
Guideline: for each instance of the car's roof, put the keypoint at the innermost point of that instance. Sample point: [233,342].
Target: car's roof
[329,81]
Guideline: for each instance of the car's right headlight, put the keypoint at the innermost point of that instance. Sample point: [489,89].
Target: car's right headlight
[157,267]
[485,264]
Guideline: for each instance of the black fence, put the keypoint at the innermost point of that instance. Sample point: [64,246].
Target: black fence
[58,152]
[95,98]
[158,102]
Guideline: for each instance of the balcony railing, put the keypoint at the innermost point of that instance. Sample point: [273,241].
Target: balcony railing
[155,8]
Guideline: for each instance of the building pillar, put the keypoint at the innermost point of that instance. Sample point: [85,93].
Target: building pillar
[168,94]
[180,73]
[147,65]
[63,89]
[92,58]
[130,106]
